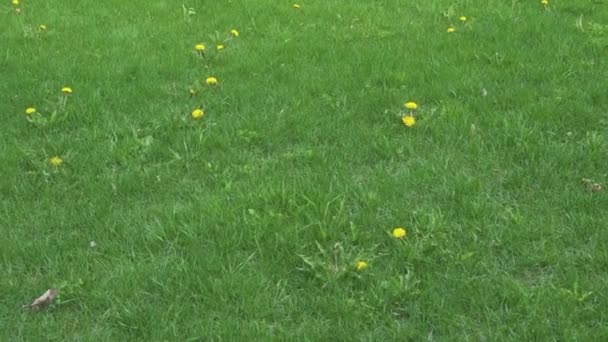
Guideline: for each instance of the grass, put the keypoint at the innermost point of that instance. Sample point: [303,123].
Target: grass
[247,224]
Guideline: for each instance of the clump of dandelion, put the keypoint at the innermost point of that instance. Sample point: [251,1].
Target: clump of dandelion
[408,120]
[399,233]
[66,91]
[56,161]
[198,113]
[212,81]
[411,105]
[360,265]
[200,49]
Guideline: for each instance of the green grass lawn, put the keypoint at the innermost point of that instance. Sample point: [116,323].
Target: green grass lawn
[247,224]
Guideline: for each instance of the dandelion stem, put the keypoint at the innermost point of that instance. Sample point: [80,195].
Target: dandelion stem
[64,102]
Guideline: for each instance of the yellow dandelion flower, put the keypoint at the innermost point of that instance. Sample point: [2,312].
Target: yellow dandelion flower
[463,18]
[411,105]
[197,113]
[296,6]
[211,81]
[56,161]
[66,90]
[408,120]
[15,2]
[220,47]
[30,110]
[42,27]
[399,233]
[234,33]
[361,265]
[545,2]
[199,47]
[451,30]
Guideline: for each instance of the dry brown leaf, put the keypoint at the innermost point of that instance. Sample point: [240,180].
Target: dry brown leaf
[596,187]
[45,300]
[592,186]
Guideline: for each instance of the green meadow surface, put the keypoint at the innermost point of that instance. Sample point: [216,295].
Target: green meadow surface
[247,224]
